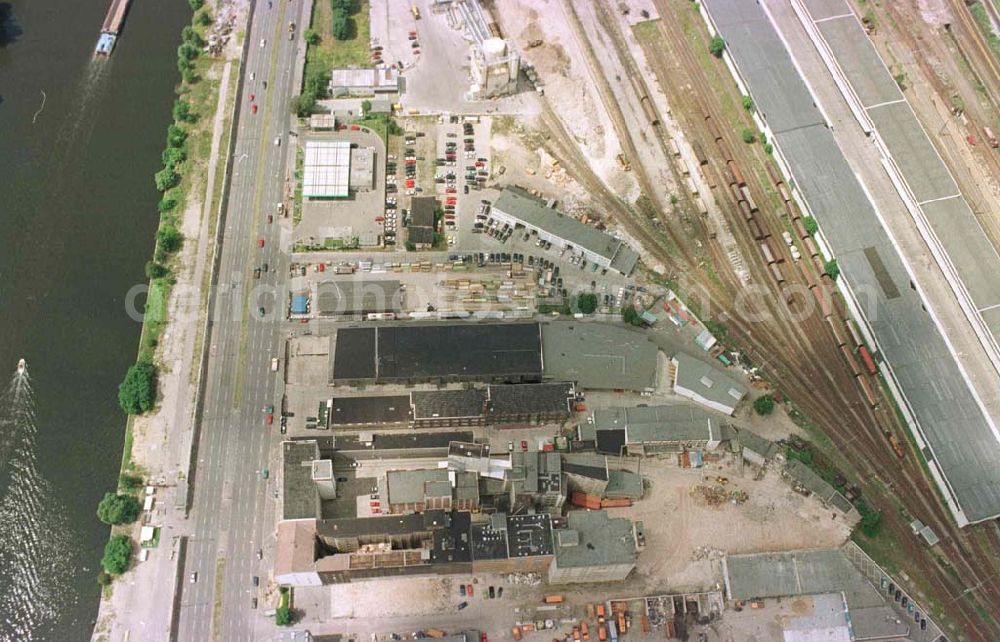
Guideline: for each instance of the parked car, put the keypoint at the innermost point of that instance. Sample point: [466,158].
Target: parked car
[462,605]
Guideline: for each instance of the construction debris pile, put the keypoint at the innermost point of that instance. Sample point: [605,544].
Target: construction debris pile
[222,29]
[525,579]
[717,494]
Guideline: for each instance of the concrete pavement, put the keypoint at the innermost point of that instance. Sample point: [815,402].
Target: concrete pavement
[232,501]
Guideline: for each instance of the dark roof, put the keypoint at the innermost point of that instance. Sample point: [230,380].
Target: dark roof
[299,496]
[529,535]
[422,211]
[397,441]
[420,234]
[586,465]
[354,353]
[348,411]
[447,403]
[358,297]
[467,449]
[488,543]
[451,544]
[610,441]
[529,398]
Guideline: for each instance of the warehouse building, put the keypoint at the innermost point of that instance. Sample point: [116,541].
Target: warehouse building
[364,82]
[326,169]
[535,480]
[516,207]
[651,430]
[700,382]
[598,356]
[440,408]
[512,543]
[436,352]
[416,491]
[356,299]
[529,404]
[360,412]
[593,548]
[420,230]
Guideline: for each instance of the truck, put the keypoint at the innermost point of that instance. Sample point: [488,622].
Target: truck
[516,632]
[274,364]
[553,599]
[434,633]
[291,30]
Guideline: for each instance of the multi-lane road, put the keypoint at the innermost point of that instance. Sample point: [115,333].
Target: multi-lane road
[232,502]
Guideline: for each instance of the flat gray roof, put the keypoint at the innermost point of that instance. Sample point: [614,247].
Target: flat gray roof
[532,211]
[599,356]
[799,573]
[961,442]
[358,297]
[710,383]
[300,498]
[600,540]
[410,486]
[653,424]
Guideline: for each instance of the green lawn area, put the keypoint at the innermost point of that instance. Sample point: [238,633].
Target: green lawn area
[331,53]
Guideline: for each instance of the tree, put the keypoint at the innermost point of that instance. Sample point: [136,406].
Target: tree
[137,391]
[155,270]
[630,316]
[717,46]
[196,4]
[748,103]
[118,509]
[117,553]
[169,238]
[130,482]
[342,5]
[173,156]
[768,148]
[871,519]
[182,111]
[311,37]
[184,66]
[187,50]
[763,405]
[166,178]
[304,104]
[810,224]
[748,136]
[341,27]
[189,35]
[103,578]
[832,269]
[586,302]
[166,204]
[366,107]
[283,616]
[189,76]
[176,136]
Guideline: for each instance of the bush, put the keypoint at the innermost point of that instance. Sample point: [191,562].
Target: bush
[283,616]
[717,45]
[169,238]
[118,509]
[748,136]
[768,148]
[832,269]
[166,204]
[871,519]
[196,4]
[117,553]
[176,135]
[166,178]
[203,18]
[189,35]
[748,103]
[810,224]
[366,107]
[173,156]
[182,111]
[304,104]
[187,51]
[763,405]
[311,37]
[630,316]
[586,302]
[130,482]
[137,391]
[189,76]
[341,27]
[103,578]
[184,66]
[156,270]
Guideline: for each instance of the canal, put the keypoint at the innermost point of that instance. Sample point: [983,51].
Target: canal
[79,142]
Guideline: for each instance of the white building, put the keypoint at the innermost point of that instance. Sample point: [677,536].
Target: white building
[702,383]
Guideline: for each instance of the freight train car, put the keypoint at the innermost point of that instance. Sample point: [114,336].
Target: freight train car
[839,336]
[866,387]
[734,168]
[649,110]
[852,362]
[866,357]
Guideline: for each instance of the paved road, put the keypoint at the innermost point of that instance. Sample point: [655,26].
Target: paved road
[232,503]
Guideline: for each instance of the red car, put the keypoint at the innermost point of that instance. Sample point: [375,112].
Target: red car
[260,242]
[253,108]
[524,445]
[485,639]
[270,218]
[451,190]
[270,419]
[468,590]
[252,96]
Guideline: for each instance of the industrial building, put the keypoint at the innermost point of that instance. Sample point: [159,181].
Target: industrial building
[326,169]
[362,174]
[436,352]
[365,411]
[516,207]
[364,82]
[651,430]
[700,382]
[494,64]
[593,548]
[420,230]
[535,479]
[355,299]
[416,491]
[598,356]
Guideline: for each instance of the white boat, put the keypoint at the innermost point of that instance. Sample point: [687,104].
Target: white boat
[21,366]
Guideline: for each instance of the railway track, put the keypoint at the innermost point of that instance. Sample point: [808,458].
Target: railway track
[847,417]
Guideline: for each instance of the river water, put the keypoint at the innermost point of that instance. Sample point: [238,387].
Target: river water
[77,218]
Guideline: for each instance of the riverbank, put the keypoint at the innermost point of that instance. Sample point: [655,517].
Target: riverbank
[158,444]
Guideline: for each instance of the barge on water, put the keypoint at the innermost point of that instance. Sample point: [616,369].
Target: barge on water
[112,27]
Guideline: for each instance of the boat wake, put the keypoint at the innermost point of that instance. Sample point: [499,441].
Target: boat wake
[35,540]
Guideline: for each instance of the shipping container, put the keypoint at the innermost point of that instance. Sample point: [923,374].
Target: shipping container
[621,502]
[583,500]
[558,599]
[866,357]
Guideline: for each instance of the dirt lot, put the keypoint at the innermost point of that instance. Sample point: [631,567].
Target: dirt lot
[681,526]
